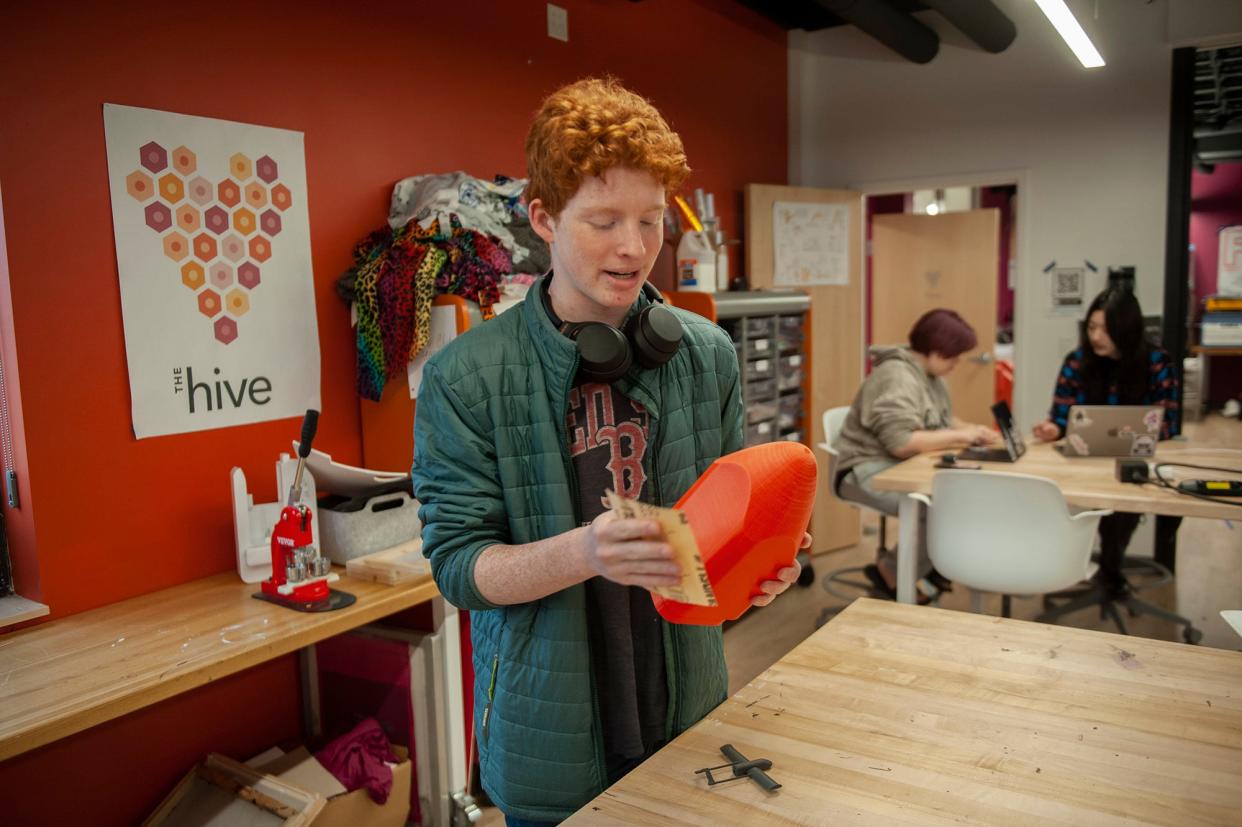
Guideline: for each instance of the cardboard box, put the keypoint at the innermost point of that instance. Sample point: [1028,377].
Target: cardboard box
[221,792]
[345,809]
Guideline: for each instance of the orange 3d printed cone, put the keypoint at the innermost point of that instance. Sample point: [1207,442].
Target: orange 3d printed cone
[748,512]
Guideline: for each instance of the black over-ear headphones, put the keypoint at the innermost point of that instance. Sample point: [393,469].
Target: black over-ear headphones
[652,336]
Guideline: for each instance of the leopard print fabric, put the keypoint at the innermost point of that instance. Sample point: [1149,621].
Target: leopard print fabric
[394,281]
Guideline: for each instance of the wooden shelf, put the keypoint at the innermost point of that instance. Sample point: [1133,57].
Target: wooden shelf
[1216,351]
[73,673]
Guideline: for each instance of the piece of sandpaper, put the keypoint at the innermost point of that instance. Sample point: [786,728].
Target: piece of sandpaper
[694,589]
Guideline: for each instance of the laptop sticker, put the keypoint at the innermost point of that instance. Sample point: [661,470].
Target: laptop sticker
[1078,444]
[1143,445]
[1152,420]
[1080,417]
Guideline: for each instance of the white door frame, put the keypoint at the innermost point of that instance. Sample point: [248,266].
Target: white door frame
[1018,177]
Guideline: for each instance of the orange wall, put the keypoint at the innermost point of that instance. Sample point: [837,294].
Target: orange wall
[389,90]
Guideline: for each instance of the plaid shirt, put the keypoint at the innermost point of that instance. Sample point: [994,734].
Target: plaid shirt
[1162,389]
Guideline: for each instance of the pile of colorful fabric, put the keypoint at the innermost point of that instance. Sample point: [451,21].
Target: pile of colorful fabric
[399,268]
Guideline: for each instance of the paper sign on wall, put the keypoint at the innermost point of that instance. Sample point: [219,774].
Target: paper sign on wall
[213,255]
[811,243]
[1229,268]
[1068,287]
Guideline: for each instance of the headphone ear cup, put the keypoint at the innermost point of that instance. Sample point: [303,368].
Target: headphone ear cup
[655,333]
[604,352]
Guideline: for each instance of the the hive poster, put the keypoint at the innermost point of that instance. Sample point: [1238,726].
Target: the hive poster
[213,254]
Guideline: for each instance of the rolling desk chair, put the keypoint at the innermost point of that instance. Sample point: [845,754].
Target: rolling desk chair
[834,421]
[1006,533]
[1097,594]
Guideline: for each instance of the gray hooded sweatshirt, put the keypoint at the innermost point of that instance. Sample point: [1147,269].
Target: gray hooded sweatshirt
[897,399]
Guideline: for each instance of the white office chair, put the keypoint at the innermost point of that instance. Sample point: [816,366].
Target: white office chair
[1234,618]
[1007,533]
[834,421]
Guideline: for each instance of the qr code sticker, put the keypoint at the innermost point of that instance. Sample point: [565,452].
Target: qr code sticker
[1067,286]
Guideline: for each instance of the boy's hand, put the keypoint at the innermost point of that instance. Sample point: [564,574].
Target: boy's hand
[630,552]
[785,577]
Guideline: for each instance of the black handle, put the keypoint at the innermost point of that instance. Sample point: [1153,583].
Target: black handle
[310,423]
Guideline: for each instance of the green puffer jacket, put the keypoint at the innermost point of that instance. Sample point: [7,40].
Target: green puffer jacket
[492,465]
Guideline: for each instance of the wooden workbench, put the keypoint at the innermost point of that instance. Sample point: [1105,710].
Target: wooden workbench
[912,715]
[70,674]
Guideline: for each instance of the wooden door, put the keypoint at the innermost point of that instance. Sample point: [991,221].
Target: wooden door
[833,362]
[921,262]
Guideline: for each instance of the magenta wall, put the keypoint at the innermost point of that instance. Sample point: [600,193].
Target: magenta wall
[1001,198]
[1215,202]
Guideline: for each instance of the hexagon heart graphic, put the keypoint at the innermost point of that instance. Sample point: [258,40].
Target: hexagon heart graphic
[217,236]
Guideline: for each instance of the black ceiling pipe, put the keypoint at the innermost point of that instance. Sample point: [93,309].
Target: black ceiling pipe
[894,28]
[979,20]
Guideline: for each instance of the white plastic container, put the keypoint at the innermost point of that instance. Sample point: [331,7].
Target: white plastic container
[722,268]
[696,263]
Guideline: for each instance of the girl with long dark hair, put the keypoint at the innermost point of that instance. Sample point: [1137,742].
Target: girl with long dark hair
[1114,364]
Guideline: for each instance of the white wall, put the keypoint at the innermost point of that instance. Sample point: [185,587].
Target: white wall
[1092,145]
[1205,23]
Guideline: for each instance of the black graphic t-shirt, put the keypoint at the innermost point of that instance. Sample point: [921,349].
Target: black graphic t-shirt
[608,440]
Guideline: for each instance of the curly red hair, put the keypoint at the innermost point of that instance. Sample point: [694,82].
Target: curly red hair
[591,126]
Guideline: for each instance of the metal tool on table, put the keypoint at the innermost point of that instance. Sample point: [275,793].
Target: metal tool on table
[300,574]
[742,767]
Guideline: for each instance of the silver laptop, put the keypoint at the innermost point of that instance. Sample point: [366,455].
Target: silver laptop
[1112,431]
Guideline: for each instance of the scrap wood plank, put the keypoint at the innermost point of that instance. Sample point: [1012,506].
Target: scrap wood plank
[392,565]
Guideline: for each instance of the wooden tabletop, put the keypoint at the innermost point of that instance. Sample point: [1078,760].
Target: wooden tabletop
[1090,482]
[912,715]
[70,674]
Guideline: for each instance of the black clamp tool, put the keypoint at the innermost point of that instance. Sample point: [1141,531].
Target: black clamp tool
[742,768]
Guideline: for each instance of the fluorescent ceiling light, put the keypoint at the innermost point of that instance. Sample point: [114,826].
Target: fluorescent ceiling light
[1067,26]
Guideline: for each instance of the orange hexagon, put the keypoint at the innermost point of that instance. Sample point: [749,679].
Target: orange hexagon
[281,199]
[240,167]
[256,195]
[184,161]
[260,248]
[204,247]
[244,221]
[209,303]
[139,185]
[237,302]
[230,193]
[187,218]
[171,188]
[192,275]
[176,246]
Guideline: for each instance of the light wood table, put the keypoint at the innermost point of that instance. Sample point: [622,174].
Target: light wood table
[1086,482]
[913,715]
[70,674]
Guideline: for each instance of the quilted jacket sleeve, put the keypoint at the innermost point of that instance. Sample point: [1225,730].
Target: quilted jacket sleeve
[457,483]
[730,398]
